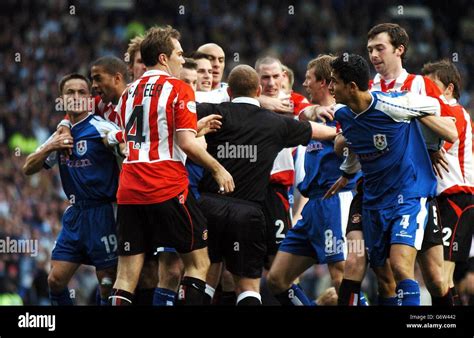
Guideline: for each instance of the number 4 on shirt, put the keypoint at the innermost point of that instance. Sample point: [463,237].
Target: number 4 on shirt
[134,127]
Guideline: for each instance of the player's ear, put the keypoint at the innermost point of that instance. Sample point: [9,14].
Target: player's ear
[353,86]
[117,77]
[400,50]
[163,59]
[259,90]
[449,89]
[229,91]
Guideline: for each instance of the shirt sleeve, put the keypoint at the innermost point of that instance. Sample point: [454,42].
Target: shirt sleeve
[104,127]
[52,158]
[406,106]
[433,91]
[296,132]
[185,108]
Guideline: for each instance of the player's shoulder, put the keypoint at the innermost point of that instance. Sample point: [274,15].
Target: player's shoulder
[101,124]
[340,108]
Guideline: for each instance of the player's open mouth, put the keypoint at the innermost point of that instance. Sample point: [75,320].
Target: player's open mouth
[206,83]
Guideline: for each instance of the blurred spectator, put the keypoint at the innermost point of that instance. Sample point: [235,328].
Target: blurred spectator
[42,40]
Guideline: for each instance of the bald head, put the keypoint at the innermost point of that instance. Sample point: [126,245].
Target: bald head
[216,55]
[244,81]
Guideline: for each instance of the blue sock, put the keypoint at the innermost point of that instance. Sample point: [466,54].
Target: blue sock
[388,301]
[163,297]
[61,298]
[294,296]
[408,293]
[362,300]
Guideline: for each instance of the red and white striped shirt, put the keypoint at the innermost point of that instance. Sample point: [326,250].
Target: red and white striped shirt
[106,110]
[460,178]
[151,111]
[417,84]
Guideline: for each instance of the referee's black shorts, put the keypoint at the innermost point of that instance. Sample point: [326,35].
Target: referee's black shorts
[236,233]
[176,223]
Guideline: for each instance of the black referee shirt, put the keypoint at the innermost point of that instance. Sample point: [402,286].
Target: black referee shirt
[247,144]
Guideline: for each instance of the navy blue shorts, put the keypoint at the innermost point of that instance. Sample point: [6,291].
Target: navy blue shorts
[88,235]
[320,234]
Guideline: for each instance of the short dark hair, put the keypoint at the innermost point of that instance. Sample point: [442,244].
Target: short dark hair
[112,65]
[243,81]
[158,41]
[352,68]
[73,76]
[199,55]
[190,64]
[398,35]
[446,72]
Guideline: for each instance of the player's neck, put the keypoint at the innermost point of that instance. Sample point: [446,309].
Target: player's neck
[360,102]
[77,117]
[393,73]
[117,95]
[159,67]
[327,101]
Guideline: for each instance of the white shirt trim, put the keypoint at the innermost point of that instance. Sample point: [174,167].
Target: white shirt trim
[245,99]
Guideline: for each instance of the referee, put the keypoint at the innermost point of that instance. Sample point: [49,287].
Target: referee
[246,145]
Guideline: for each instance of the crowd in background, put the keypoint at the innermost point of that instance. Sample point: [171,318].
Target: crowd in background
[40,41]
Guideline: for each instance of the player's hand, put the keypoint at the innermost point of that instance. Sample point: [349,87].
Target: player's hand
[209,124]
[62,130]
[338,185]
[277,104]
[328,297]
[224,180]
[63,142]
[317,113]
[439,162]
[123,149]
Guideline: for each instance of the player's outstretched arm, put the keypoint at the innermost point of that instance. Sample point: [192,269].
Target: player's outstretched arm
[443,126]
[276,104]
[317,113]
[187,142]
[322,132]
[34,162]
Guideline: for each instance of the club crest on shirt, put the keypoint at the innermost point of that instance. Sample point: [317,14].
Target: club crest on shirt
[81,147]
[380,141]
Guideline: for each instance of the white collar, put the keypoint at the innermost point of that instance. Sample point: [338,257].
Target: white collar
[152,72]
[75,124]
[452,102]
[400,79]
[245,99]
